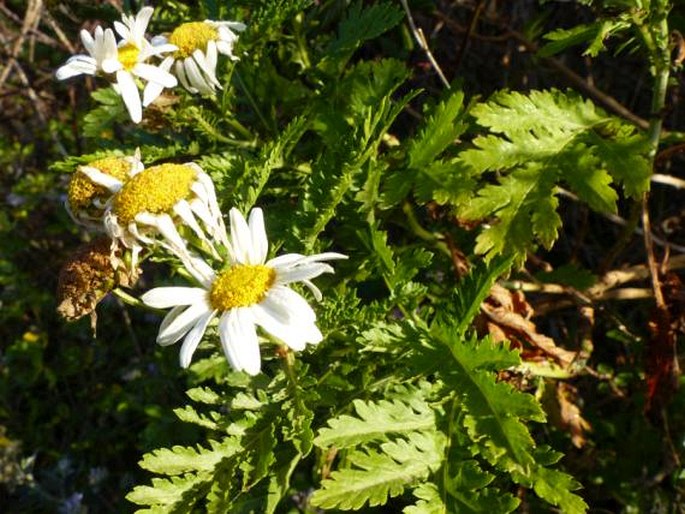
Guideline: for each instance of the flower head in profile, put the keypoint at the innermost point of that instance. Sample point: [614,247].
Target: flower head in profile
[250,291]
[149,208]
[127,60]
[92,185]
[197,46]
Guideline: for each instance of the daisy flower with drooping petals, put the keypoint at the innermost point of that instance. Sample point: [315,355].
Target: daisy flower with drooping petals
[98,46]
[249,292]
[148,207]
[127,60]
[87,197]
[198,44]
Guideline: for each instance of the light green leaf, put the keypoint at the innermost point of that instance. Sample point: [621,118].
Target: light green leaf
[375,421]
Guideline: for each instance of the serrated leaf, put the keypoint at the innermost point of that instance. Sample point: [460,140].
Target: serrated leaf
[180,459]
[168,493]
[555,487]
[204,395]
[440,130]
[471,292]
[377,476]
[375,421]
[444,182]
[190,415]
[594,33]
[362,24]
[582,170]
[626,159]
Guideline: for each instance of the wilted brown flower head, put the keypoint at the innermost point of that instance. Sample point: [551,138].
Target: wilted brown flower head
[87,277]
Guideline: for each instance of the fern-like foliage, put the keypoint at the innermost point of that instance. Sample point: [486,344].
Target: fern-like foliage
[360,24]
[538,142]
[248,460]
[399,447]
[432,175]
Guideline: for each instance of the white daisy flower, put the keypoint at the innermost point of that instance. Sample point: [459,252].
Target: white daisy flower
[130,61]
[250,292]
[146,209]
[87,198]
[98,47]
[198,44]
[127,60]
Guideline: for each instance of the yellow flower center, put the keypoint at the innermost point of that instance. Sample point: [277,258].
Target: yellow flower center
[188,37]
[128,56]
[155,190]
[82,190]
[241,285]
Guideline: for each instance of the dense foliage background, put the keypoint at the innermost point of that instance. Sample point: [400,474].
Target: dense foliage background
[527,164]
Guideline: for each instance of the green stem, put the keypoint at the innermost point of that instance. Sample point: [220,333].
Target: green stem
[658,35]
[421,232]
[253,103]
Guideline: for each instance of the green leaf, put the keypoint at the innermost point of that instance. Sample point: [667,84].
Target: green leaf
[179,459]
[439,131]
[375,476]
[595,33]
[362,24]
[472,290]
[538,141]
[554,486]
[375,421]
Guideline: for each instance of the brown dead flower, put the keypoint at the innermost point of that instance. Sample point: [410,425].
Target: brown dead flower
[87,277]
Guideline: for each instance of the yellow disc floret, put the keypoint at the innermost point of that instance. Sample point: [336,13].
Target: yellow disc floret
[241,286]
[82,190]
[155,190]
[128,56]
[189,37]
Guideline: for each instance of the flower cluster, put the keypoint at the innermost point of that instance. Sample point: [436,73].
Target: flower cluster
[188,54]
[171,209]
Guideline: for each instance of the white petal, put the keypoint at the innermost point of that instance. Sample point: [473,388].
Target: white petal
[259,246]
[151,92]
[142,20]
[294,334]
[181,74]
[231,25]
[193,339]
[167,229]
[184,211]
[77,65]
[300,273]
[154,74]
[241,237]
[123,31]
[211,57]
[286,300]
[158,50]
[284,261]
[195,77]
[165,297]
[182,323]
[102,179]
[315,290]
[159,41]
[108,48]
[88,41]
[129,92]
[209,73]
[200,270]
[168,319]
[239,340]
[225,48]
